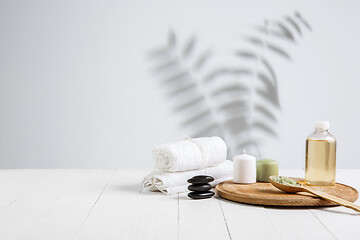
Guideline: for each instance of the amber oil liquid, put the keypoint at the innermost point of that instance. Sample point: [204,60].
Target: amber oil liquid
[320,162]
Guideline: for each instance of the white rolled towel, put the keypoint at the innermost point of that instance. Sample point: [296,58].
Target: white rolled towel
[190,154]
[171,183]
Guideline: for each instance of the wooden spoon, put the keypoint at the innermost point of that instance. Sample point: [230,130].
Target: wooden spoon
[302,188]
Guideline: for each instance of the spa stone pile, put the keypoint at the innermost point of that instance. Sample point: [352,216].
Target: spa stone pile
[200,187]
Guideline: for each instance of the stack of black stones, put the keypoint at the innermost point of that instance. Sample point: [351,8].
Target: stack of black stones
[200,187]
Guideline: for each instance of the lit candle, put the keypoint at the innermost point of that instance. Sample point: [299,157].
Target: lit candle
[244,168]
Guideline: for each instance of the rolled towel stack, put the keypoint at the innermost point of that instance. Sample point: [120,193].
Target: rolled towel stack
[176,162]
[176,182]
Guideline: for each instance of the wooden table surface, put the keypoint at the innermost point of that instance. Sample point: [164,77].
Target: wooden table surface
[109,204]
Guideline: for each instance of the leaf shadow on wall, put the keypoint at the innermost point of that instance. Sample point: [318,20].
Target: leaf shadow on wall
[238,103]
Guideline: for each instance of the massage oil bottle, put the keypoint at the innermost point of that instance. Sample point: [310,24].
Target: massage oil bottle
[320,159]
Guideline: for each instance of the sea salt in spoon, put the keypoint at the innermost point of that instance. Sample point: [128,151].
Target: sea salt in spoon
[291,186]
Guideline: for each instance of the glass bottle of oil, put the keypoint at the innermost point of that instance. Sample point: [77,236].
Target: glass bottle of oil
[320,159]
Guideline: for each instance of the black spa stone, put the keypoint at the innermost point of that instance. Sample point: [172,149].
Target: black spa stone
[199,187]
[200,179]
[201,195]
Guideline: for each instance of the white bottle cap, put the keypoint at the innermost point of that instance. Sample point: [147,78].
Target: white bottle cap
[324,125]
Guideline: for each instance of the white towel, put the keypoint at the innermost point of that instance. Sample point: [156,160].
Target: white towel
[171,183]
[190,154]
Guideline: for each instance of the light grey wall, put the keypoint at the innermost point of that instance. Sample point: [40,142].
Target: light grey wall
[76,88]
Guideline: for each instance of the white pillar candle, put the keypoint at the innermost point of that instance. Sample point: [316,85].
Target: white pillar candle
[244,168]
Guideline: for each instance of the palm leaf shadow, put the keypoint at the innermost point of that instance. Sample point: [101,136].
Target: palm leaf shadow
[226,110]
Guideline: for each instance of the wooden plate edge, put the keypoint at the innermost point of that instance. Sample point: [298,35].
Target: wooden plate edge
[232,197]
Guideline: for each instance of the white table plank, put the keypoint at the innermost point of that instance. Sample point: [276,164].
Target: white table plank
[114,215]
[297,223]
[71,211]
[155,217]
[123,212]
[201,219]
[5,174]
[285,223]
[57,208]
[248,221]
[17,183]
[344,223]
[104,204]
[43,188]
[244,220]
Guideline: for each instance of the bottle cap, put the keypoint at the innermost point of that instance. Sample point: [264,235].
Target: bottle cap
[324,125]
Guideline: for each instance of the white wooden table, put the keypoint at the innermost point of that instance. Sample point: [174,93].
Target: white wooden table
[109,204]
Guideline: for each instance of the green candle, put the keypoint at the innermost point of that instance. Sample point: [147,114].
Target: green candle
[266,168]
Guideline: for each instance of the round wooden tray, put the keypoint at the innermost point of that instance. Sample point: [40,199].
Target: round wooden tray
[266,194]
